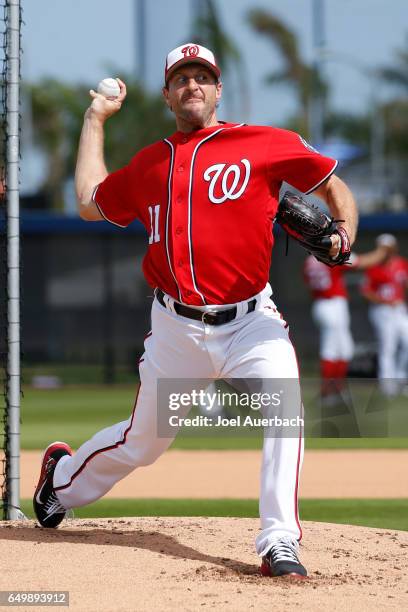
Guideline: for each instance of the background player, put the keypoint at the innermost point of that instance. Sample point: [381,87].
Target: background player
[385,288]
[207,196]
[330,312]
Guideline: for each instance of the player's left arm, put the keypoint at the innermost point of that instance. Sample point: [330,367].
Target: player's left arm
[342,205]
[364,261]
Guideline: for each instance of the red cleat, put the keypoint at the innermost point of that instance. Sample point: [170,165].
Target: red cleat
[47,507]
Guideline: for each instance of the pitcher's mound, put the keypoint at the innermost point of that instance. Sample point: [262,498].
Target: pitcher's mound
[201,563]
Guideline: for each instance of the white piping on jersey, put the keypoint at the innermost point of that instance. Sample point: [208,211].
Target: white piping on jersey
[190,189]
[323,179]
[168,214]
[101,211]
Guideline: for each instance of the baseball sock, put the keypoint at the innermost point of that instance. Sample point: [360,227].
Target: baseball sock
[328,371]
[341,373]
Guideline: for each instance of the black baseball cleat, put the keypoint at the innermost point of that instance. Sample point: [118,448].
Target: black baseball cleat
[47,507]
[282,560]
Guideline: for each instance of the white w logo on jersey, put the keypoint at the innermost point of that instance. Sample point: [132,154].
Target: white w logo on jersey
[229,193]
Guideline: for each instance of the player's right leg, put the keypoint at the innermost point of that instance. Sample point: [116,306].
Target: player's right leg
[260,357]
[402,359]
[383,320]
[336,345]
[171,351]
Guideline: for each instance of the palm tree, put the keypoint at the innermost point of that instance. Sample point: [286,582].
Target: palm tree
[56,112]
[295,72]
[208,31]
[396,110]
[398,74]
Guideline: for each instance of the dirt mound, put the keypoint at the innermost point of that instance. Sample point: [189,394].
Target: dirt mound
[194,563]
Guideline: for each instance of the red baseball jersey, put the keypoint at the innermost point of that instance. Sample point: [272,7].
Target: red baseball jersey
[208,200]
[389,280]
[324,282]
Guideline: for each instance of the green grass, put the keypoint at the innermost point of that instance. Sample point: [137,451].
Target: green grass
[76,413]
[382,513]
[72,413]
[80,373]
[356,443]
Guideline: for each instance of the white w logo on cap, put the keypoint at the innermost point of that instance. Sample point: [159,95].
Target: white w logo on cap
[229,193]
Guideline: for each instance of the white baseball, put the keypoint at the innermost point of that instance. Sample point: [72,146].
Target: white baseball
[109,88]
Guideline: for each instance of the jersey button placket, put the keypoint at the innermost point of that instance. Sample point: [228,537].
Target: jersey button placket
[179,221]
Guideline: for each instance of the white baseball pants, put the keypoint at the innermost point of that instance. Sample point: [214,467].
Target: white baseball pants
[391,328]
[254,345]
[333,320]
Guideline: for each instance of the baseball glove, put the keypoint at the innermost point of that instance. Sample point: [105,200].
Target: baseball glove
[312,229]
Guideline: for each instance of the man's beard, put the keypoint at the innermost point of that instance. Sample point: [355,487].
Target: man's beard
[195,115]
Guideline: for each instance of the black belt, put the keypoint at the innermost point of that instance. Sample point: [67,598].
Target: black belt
[210,318]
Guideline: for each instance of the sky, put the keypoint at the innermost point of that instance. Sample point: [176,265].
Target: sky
[83,41]
[86,40]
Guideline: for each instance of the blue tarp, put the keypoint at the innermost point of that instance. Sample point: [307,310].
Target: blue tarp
[51,223]
[341,150]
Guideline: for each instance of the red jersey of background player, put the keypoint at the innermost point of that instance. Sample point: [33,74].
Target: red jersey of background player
[389,281]
[325,282]
[208,200]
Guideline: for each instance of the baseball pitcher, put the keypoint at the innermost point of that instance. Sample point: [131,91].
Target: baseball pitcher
[207,196]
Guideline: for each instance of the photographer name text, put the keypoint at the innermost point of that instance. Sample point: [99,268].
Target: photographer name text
[238,421]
